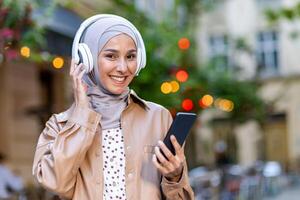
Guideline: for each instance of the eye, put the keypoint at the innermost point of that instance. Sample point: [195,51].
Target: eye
[110,56]
[131,56]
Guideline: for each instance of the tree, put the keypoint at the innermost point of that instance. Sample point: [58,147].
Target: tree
[238,99]
[18,29]
[164,59]
[290,14]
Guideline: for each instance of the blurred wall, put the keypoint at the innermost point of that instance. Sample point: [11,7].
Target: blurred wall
[286,92]
[19,130]
[32,92]
[244,19]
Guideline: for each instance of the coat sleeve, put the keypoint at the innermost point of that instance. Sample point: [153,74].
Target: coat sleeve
[180,190]
[61,150]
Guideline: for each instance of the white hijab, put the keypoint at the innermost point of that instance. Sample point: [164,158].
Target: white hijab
[109,105]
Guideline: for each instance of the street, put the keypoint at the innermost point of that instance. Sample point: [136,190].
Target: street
[287,194]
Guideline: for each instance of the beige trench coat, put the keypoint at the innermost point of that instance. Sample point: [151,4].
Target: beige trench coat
[68,157]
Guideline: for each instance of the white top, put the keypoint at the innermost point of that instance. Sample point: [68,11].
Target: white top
[113,164]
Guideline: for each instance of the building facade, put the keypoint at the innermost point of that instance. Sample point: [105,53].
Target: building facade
[269,53]
[31,92]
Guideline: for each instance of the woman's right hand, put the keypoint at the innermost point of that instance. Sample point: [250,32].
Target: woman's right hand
[79,87]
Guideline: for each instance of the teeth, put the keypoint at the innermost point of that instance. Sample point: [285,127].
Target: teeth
[118,78]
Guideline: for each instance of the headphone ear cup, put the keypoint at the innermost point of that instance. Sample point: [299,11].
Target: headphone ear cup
[86,57]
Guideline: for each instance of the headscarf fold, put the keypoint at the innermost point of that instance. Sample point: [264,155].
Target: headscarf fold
[109,105]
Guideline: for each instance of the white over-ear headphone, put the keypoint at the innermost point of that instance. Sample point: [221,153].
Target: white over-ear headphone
[81,52]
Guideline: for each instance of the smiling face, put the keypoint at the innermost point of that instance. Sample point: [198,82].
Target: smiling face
[117,63]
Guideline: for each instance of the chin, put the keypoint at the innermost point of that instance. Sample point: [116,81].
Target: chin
[117,91]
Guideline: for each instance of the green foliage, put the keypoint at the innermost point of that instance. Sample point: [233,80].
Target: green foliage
[17,28]
[164,58]
[283,13]
[223,85]
[288,14]
[247,105]
[163,54]
[272,16]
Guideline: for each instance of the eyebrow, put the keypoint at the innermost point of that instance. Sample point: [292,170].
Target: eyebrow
[116,51]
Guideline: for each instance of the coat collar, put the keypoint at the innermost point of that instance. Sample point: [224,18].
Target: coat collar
[133,98]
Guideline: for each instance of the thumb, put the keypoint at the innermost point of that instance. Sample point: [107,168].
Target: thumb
[85,86]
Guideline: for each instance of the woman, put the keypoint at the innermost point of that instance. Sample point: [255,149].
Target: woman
[106,146]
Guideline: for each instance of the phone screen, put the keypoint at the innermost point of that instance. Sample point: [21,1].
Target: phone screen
[180,128]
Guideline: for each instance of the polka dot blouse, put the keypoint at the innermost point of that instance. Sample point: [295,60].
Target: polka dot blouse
[113,164]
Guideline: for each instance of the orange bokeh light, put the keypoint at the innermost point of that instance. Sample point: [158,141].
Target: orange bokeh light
[227,105]
[175,86]
[187,104]
[58,62]
[182,76]
[201,104]
[25,51]
[207,100]
[184,43]
[166,88]
[224,104]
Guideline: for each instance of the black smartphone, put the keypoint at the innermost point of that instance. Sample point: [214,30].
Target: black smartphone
[180,128]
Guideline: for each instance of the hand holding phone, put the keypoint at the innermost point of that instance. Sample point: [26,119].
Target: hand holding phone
[170,167]
[180,128]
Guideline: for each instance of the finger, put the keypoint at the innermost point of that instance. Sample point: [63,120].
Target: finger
[85,87]
[75,75]
[78,69]
[75,71]
[157,165]
[176,145]
[80,83]
[166,151]
[163,161]
[72,66]
[74,82]
[81,74]
[176,160]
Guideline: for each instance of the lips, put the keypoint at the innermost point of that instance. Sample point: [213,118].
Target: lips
[118,79]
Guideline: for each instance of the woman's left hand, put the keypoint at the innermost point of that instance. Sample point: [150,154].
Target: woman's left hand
[172,166]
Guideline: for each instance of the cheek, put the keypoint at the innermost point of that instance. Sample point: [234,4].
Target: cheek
[132,66]
[130,78]
[104,67]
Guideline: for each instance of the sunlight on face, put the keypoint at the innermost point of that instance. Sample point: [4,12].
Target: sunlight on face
[117,63]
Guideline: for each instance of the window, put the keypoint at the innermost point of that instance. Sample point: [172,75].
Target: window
[262,5]
[267,53]
[140,4]
[219,51]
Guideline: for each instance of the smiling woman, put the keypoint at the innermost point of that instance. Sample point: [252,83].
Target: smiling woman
[118,63]
[105,146]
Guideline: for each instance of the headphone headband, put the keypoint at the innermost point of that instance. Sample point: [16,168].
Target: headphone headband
[86,23]
[89,21]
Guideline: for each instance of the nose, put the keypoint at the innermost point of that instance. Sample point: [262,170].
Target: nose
[122,66]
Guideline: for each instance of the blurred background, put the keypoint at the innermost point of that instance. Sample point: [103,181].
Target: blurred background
[235,63]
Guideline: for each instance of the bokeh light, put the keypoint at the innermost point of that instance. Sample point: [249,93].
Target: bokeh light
[207,100]
[182,76]
[166,87]
[58,62]
[224,104]
[187,104]
[184,43]
[175,86]
[201,104]
[227,105]
[25,51]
